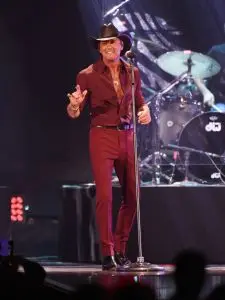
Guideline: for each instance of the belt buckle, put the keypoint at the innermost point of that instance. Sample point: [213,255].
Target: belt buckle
[122,127]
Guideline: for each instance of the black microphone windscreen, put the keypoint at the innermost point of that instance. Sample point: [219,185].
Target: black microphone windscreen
[131,55]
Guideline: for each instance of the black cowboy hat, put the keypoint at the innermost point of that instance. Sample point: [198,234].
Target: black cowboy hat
[110,32]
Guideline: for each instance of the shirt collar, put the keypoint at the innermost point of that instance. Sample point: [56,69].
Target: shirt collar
[100,67]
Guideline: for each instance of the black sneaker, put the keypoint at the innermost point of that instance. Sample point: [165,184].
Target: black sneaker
[122,260]
[109,263]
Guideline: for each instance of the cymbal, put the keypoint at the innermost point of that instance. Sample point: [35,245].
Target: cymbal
[176,63]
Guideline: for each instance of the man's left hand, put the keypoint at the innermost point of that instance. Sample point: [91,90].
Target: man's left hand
[144,116]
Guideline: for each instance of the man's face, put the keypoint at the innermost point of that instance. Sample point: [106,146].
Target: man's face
[110,50]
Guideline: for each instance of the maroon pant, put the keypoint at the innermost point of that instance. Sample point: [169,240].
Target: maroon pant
[110,148]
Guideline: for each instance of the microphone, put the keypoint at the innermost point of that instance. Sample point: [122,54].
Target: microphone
[130,55]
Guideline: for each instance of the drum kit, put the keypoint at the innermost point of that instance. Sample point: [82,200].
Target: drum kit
[188,146]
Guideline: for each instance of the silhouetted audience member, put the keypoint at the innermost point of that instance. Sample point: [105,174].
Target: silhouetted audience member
[189,275]
[91,291]
[134,291]
[19,276]
[23,278]
[218,293]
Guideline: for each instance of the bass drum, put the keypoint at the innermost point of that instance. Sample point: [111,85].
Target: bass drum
[205,132]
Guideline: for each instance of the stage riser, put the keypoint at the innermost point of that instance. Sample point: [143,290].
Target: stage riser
[181,217]
[172,219]
[78,239]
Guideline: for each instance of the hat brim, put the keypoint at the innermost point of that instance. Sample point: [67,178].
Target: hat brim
[126,39]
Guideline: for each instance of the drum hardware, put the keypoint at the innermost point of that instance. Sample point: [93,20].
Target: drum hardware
[188,89]
[184,168]
[188,150]
[169,87]
[186,164]
[147,168]
[157,155]
[217,108]
[220,107]
[155,170]
[189,178]
[185,65]
[215,176]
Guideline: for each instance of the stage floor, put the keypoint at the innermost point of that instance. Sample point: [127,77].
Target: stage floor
[67,276]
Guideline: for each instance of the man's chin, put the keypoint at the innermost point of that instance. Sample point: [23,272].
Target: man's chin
[111,58]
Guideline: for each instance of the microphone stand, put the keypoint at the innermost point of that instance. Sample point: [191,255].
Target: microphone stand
[140,264]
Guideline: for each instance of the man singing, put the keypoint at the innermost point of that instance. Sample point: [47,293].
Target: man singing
[107,86]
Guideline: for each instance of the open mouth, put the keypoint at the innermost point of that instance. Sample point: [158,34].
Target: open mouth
[109,52]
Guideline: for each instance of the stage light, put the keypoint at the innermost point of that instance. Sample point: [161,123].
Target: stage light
[16,209]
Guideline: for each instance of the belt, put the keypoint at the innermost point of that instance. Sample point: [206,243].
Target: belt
[116,127]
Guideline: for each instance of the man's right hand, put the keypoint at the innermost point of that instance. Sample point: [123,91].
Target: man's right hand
[76,98]
[208,98]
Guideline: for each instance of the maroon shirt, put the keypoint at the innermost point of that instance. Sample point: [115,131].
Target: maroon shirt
[105,107]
